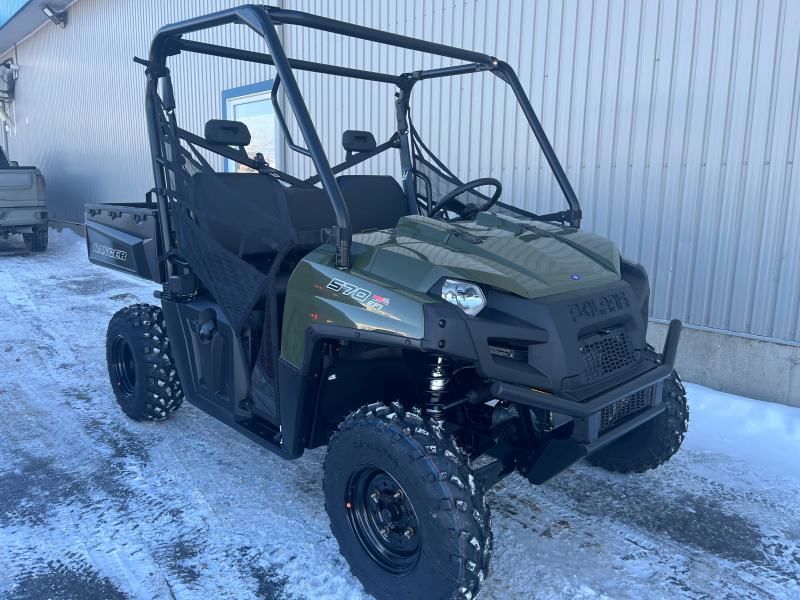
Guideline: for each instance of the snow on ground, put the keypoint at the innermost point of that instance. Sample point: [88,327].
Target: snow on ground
[93,505]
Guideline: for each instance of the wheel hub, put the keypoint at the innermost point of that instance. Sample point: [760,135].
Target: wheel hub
[123,365]
[383,519]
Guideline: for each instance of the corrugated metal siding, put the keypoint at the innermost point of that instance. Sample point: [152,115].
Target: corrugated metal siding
[676,122]
[79,109]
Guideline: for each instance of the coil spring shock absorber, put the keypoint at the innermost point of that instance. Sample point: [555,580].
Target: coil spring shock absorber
[438,381]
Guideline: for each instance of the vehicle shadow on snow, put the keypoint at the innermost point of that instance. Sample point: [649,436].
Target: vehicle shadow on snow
[700,517]
[13,246]
[683,519]
[698,521]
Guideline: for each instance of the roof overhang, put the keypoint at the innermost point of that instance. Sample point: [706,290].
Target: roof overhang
[27,20]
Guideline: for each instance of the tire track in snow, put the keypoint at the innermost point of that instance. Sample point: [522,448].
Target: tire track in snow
[179,577]
[105,486]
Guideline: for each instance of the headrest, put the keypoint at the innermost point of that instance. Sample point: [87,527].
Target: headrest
[358,141]
[227,133]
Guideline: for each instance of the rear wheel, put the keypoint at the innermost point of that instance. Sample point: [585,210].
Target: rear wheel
[655,442]
[408,515]
[36,241]
[140,366]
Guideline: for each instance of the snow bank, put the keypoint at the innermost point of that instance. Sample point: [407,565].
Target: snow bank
[762,434]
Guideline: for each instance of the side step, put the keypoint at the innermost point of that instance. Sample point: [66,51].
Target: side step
[257,430]
[264,435]
[261,429]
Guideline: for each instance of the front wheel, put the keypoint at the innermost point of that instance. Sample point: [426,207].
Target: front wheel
[140,366]
[410,519]
[653,443]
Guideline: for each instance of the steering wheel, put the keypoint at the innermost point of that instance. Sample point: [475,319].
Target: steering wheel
[450,200]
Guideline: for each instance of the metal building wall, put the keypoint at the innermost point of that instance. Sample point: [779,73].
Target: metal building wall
[676,122]
[79,107]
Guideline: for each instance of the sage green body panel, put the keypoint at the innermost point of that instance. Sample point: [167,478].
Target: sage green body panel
[394,270]
[310,301]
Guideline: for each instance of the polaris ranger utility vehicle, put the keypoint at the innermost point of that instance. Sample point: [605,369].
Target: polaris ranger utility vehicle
[433,337]
[23,204]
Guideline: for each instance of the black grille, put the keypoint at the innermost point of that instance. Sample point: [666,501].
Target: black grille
[607,356]
[620,410]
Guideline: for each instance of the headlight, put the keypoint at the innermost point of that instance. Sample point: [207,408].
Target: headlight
[465,295]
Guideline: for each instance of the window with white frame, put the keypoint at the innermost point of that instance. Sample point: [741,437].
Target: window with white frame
[252,105]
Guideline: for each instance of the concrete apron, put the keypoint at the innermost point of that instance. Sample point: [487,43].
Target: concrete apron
[738,365]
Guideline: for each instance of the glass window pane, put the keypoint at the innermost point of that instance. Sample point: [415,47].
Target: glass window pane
[259,117]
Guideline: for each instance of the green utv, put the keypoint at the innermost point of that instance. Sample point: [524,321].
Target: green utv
[433,337]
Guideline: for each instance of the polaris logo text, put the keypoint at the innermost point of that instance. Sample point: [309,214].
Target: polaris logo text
[597,307]
[364,296]
[110,252]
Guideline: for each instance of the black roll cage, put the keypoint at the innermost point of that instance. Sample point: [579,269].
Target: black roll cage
[164,134]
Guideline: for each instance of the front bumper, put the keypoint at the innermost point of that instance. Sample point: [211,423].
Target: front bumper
[587,435]
[589,408]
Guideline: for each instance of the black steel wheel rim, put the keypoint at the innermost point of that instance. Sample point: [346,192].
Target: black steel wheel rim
[123,366]
[383,519]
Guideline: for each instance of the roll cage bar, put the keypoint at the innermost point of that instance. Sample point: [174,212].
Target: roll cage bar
[165,135]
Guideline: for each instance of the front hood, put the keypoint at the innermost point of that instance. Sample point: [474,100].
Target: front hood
[527,258]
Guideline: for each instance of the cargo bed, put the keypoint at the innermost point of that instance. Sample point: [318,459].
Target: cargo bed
[124,237]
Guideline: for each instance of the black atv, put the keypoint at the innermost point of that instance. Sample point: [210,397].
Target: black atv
[433,337]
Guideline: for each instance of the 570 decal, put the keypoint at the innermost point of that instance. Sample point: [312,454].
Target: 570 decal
[362,295]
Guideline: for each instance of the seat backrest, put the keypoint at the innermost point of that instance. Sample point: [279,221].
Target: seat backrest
[227,133]
[374,201]
[255,213]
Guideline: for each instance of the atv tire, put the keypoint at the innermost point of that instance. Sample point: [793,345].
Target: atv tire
[36,241]
[655,442]
[140,366]
[405,508]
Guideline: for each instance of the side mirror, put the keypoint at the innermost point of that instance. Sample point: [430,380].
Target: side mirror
[14,163]
[227,133]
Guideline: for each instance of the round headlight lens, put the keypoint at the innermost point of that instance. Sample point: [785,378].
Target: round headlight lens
[465,295]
